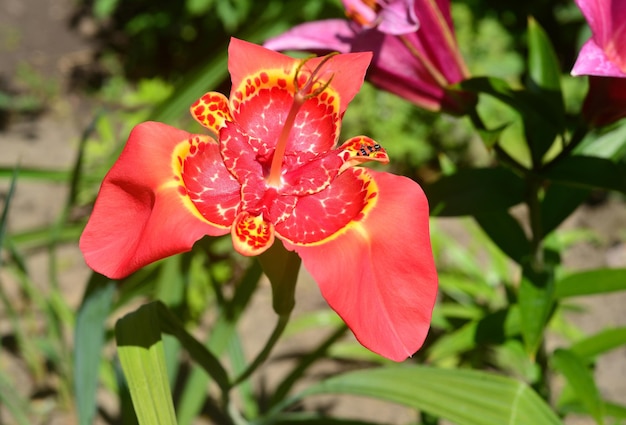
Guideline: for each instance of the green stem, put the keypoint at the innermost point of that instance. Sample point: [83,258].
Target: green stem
[536,227]
[264,354]
[317,354]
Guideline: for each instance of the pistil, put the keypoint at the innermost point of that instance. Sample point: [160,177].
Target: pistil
[301,95]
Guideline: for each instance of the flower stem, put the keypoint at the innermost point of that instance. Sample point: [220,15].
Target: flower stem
[264,354]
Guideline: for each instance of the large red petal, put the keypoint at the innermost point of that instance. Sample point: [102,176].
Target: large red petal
[379,274]
[142,213]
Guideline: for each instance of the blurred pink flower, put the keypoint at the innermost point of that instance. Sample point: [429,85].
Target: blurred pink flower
[604,54]
[418,65]
[394,17]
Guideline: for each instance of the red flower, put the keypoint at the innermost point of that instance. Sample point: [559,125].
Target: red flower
[274,172]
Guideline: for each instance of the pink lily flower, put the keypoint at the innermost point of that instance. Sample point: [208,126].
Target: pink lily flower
[274,171]
[416,64]
[605,53]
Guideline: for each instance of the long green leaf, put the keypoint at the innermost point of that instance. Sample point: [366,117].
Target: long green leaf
[140,349]
[90,337]
[5,210]
[599,281]
[37,174]
[581,380]
[464,397]
[600,343]
[588,172]
[16,406]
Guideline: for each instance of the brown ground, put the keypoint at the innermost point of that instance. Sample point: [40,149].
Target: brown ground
[35,32]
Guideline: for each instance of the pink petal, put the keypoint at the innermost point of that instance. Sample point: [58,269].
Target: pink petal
[142,213]
[331,35]
[605,53]
[378,274]
[397,17]
[592,60]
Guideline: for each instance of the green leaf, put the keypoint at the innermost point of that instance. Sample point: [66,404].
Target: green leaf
[588,172]
[494,328]
[543,65]
[558,203]
[37,174]
[140,349]
[581,380]
[600,343]
[475,191]
[90,338]
[5,210]
[505,232]
[536,304]
[464,397]
[10,400]
[542,121]
[608,143]
[591,282]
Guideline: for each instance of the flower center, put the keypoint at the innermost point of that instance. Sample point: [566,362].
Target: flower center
[306,88]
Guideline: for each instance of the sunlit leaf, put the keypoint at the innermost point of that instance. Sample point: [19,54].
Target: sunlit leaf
[581,380]
[543,67]
[600,343]
[542,121]
[90,338]
[591,282]
[464,397]
[141,354]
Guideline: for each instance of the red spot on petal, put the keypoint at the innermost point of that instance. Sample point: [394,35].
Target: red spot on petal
[282,82]
[264,77]
[257,81]
[182,190]
[192,149]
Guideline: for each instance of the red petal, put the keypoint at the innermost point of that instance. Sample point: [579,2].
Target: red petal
[142,213]
[252,235]
[348,71]
[211,111]
[379,273]
[246,59]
